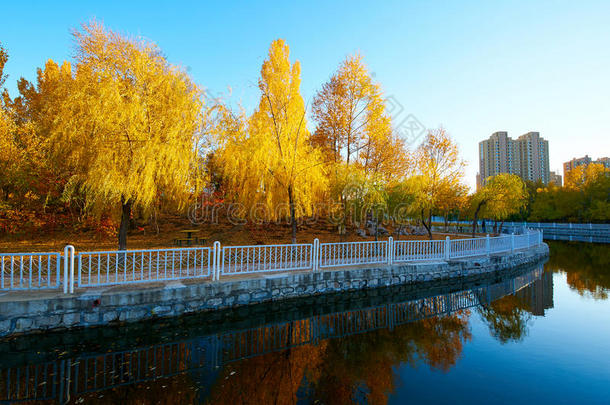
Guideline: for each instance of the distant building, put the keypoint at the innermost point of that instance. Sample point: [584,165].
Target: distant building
[526,156]
[604,161]
[556,179]
[584,161]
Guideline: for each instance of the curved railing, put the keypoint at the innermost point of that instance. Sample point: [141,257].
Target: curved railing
[27,271]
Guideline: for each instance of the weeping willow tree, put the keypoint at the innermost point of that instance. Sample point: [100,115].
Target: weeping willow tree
[267,160]
[127,129]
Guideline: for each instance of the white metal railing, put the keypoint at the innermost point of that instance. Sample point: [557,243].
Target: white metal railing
[500,244]
[413,250]
[264,258]
[27,271]
[86,269]
[350,253]
[133,266]
[467,247]
[556,225]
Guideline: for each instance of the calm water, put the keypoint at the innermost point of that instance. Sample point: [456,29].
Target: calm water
[540,334]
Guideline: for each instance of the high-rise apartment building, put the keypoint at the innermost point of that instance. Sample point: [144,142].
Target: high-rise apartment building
[526,156]
[534,157]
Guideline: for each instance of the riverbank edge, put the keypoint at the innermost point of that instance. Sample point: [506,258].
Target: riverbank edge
[31,313]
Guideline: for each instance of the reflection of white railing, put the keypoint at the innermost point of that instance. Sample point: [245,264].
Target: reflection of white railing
[86,269]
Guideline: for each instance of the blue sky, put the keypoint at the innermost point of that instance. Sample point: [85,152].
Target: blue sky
[473,67]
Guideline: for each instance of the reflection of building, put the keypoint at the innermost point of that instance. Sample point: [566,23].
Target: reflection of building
[584,161]
[555,178]
[538,296]
[526,156]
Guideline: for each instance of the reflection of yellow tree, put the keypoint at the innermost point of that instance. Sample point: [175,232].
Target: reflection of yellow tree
[586,265]
[336,369]
[367,361]
[272,378]
[506,318]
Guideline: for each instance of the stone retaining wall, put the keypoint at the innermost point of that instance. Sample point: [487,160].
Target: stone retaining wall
[111,305]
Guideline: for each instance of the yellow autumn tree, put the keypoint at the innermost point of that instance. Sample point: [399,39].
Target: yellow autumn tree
[268,162]
[40,177]
[582,176]
[8,153]
[503,195]
[353,125]
[129,126]
[7,128]
[439,168]
[453,197]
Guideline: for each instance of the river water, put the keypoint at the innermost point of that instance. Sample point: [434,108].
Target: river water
[538,334]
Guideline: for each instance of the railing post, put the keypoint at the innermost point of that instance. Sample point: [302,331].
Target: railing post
[390,250]
[315,255]
[216,261]
[487,245]
[69,269]
[447,247]
[512,242]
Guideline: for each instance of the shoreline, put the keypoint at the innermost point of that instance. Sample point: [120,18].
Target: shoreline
[26,312]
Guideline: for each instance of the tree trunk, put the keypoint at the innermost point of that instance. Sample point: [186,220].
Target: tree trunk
[428,226]
[125,215]
[376,226]
[293,220]
[476,218]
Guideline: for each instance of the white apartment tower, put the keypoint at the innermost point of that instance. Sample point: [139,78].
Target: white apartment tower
[526,156]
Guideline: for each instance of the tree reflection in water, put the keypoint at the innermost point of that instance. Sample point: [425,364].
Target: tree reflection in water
[337,371]
[587,266]
[507,318]
[332,358]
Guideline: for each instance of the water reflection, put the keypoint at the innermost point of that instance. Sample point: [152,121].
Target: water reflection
[336,353]
[586,265]
[508,317]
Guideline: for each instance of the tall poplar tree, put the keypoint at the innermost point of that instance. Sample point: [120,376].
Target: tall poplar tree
[269,162]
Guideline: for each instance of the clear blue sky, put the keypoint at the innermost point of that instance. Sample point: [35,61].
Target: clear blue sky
[473,67]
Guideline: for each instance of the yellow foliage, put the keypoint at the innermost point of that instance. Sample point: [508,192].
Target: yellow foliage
[267,160]
[439,174]
[353,125]
[503,195]
[8,150]
[128,125]
[581,176]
